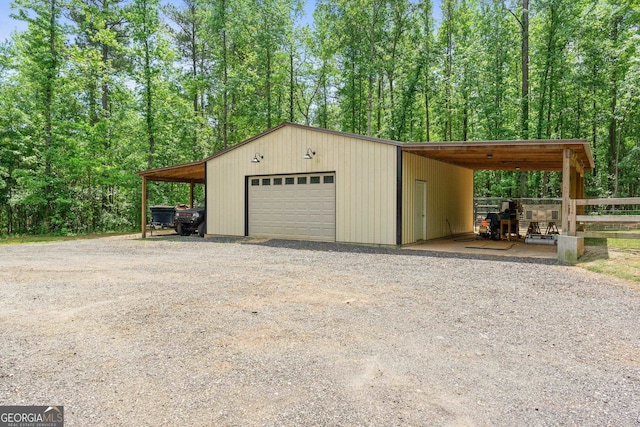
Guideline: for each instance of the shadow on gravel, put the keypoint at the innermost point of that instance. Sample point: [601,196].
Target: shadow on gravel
[354,248]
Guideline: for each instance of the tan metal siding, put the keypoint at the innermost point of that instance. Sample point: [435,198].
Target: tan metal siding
[449,196]
[365,175]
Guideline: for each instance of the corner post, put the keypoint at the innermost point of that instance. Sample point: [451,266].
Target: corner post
[566,189]
[143,217]
[399,196]
[191,194]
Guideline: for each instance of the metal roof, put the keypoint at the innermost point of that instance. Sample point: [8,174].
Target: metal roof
[186,172]
[528,155]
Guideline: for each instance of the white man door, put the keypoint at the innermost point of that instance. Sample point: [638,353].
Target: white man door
[300,206]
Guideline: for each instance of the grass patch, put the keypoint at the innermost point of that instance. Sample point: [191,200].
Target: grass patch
[615,257]
[614,243]
[16,240]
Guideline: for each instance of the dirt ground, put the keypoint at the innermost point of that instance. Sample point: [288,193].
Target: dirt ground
[188,331]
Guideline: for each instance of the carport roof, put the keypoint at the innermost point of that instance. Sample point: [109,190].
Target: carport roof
[186,172]
[530,155]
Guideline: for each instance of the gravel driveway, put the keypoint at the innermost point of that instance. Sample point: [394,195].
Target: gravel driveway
[193,332]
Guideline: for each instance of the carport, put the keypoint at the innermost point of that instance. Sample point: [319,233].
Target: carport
[191,173]
[572,157]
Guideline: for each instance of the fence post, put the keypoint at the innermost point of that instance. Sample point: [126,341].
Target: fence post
[572,217]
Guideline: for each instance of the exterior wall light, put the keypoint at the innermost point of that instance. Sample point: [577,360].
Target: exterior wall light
[256,158]
[310,154]
[490,156]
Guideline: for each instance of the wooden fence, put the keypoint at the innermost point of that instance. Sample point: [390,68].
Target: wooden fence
[575,216]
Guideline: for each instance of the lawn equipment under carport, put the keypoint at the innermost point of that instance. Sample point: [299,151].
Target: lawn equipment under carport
[490,226]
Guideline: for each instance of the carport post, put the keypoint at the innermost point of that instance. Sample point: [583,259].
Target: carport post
[143,217]
[191,194]
[566,189]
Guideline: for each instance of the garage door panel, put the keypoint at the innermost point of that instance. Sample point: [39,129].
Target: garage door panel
[303,210]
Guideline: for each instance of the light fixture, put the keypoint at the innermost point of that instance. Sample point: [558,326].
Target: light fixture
[309,155]
[256,158]
[489,155]
[517,168]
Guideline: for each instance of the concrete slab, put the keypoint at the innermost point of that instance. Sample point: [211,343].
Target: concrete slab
[461,244]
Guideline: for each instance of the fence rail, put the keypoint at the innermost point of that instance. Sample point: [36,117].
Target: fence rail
[574,217]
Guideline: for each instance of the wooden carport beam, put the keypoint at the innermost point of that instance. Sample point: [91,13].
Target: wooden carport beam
[143,217]
[191,194]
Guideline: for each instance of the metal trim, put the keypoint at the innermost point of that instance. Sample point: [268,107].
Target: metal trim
[399,197]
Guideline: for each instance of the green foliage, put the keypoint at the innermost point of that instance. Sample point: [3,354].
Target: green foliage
[95,90]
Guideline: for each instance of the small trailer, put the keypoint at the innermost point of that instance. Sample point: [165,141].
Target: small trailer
[162,217]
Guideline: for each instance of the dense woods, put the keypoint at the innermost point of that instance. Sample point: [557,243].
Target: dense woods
[93,91]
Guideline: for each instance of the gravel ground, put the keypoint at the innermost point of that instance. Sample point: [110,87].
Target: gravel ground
[185,331]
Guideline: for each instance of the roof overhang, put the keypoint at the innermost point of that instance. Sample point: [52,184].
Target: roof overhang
[187,172]
[530,155]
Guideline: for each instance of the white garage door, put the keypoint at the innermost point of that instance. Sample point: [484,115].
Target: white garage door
[293,206]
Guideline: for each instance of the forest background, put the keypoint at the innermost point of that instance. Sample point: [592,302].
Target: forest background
[93,91]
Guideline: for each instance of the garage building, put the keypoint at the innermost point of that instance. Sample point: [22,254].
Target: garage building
[299,182]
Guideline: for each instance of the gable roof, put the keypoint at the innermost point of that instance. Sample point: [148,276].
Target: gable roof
[529,155]
[309,128]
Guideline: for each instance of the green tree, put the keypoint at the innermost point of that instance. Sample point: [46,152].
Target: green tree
[41,57]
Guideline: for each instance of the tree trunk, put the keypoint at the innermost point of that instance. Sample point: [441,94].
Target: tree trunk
[545,77]
[105,86]
[194,65]
[225,78]
[291,84]
[426,57]
[594,123]
[48,112]
[392,106]
[353,91]
[194,73]
[550,106]
[149,103]
[325,100]
[268,87]
[449,75]
[427,128]
[524,124]
[525,71]
[380,102]
[370,71]
[465,116]
[613,124]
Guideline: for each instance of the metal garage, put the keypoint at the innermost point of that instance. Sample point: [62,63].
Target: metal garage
[299,182]
[300,206]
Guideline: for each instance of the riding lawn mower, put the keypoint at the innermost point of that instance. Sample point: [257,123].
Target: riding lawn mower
[490,226]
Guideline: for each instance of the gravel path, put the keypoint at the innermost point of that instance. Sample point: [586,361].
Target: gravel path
[186,331]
